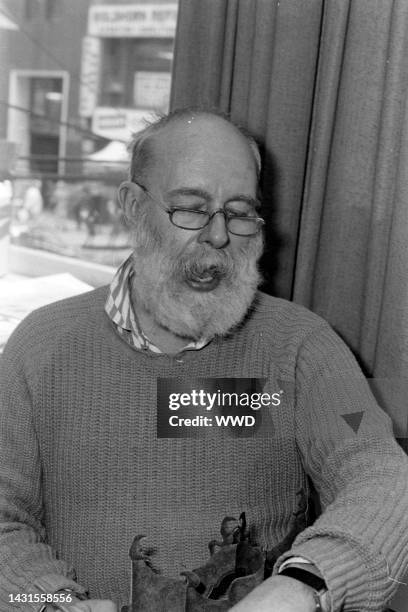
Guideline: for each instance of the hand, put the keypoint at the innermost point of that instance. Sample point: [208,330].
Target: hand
[93,605]
[278,594]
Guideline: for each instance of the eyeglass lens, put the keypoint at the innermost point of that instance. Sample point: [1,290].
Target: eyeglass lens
[243,226]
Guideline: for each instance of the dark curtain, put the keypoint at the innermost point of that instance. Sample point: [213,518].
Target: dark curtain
[257,60]
[323,87]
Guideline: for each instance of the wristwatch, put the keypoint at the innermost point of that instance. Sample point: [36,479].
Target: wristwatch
[320,592]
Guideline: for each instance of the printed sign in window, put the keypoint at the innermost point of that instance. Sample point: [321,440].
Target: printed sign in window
[152,89]
[133,20]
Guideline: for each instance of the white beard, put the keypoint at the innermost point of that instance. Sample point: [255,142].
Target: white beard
[160,284]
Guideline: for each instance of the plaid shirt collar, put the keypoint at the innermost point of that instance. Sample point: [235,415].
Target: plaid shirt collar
[119,309]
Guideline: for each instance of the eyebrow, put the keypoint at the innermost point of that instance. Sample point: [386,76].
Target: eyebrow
[245,198]
[201,193]
[190,191]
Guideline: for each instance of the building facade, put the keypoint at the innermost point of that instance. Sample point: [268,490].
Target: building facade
[75,75]
[127,58]
[39,76]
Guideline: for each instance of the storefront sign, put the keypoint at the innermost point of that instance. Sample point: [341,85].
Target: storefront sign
[119,123]
[90,69]
[152,89]
[133,20]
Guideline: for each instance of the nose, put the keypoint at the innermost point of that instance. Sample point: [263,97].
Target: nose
[215,233]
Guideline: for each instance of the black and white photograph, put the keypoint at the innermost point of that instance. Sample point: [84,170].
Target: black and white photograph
[204,305]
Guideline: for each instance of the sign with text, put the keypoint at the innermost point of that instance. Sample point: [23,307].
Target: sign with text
[196,408]
[90,70]
[133,20]
[119,123]
[152,89]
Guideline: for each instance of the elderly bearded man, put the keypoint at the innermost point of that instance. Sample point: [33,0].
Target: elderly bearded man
[82,468]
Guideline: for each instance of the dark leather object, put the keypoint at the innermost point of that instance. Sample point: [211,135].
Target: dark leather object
[229,575]
[235,567]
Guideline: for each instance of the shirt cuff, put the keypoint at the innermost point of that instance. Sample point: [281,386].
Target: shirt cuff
[355,578]
[301,563]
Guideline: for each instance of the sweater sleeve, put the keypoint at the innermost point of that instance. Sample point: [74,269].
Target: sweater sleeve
[28,566]
[360,541]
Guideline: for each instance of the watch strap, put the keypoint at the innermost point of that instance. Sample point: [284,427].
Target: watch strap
[315,582]
[304,576]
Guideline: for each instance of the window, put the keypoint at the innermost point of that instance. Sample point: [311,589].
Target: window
[72,154]
[136,73]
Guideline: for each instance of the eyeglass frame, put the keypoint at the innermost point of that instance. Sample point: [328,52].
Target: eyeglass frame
[171,211]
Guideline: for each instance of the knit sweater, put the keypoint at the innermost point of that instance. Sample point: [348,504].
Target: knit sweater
[82,470]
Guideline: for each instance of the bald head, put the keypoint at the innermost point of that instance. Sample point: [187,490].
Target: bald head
[188,130]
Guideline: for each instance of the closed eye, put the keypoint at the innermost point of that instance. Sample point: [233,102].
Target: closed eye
[199,208]
[188,202]
[240,215]
[241,209]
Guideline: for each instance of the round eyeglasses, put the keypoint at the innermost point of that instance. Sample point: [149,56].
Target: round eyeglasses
[237,222]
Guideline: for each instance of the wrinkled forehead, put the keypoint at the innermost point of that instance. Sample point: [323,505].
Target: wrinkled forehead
[205,148]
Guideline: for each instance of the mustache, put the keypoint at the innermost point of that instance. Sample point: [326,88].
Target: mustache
[204,260]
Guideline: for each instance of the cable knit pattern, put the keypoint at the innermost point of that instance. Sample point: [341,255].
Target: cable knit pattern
[83,471]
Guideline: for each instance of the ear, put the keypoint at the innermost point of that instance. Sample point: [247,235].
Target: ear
[129,197]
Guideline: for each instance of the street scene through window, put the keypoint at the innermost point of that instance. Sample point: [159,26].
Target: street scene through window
[77,80]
